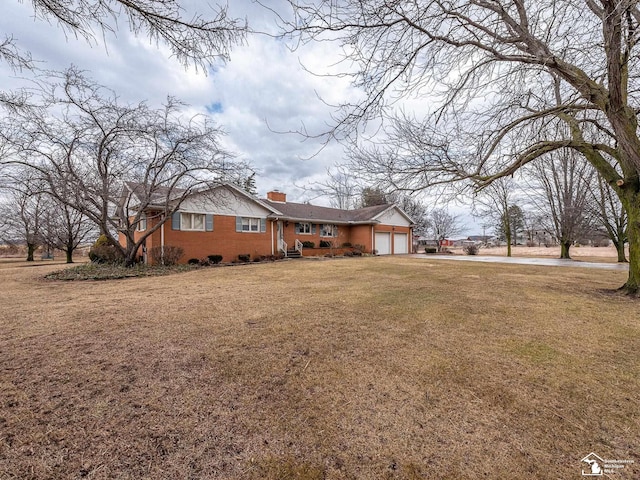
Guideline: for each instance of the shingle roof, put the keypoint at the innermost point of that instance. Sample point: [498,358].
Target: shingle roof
[288,210]
[158,196]
[305,211]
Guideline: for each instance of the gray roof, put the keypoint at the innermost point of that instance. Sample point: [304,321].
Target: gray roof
[308,212]
[159,196]
[288,210]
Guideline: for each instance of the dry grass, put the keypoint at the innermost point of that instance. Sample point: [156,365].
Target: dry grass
[372,368]
[582,253]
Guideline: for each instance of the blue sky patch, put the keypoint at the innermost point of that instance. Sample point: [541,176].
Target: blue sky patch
[215,107]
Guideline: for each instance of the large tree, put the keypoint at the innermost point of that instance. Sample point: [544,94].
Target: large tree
[495,70]
[561,192]
[111,161]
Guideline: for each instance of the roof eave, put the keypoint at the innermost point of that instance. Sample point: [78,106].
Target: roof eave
[287,218]
[325,220]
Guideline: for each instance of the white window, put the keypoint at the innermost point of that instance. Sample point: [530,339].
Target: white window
[192,221]
[250,224]
[142,223]
[304,228]
[327,230]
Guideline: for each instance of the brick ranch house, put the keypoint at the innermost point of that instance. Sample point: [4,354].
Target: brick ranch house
[228,221]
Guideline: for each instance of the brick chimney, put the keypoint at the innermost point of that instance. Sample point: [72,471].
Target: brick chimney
[276,196]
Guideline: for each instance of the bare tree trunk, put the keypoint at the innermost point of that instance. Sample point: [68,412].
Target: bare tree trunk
[507,233]
[622,258]
[69,253]
[130,258]
[564,249]
[31,248]
[632,285]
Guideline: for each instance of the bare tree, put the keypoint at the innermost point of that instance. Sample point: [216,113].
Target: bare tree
[495,202]
[12,55]
[84,146]
[561,193]
[23,216]
[517,56]
[371,196]
[192,37]
[606,208]
[442,225]
[341,187]
[65,228]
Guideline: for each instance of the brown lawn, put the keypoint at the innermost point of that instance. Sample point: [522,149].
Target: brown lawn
[371,368]
[579,253]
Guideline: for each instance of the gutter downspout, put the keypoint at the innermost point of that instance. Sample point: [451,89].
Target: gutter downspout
[410,246]
[373,245]
[272,247]
[162,240]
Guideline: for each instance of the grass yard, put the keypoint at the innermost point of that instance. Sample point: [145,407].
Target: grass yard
[369,368]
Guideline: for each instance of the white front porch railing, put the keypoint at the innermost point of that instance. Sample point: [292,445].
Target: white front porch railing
[299,246]
[282,246]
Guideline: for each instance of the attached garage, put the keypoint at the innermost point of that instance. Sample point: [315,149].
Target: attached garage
[383,243]
[400,243]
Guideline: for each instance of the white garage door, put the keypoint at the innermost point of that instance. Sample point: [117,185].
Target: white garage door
[400,243]
[383,243]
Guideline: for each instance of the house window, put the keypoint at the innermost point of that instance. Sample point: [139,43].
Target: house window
[142,223]
[304,228]
[250,224]
[192,221]
[328,230]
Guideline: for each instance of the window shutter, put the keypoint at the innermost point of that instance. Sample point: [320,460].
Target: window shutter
[313,228]
[238,224]
[297,228]
[175,221]
[335,230]
[208,221]
[263,225]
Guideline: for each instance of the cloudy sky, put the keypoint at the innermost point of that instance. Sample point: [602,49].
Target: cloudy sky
[263,90]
